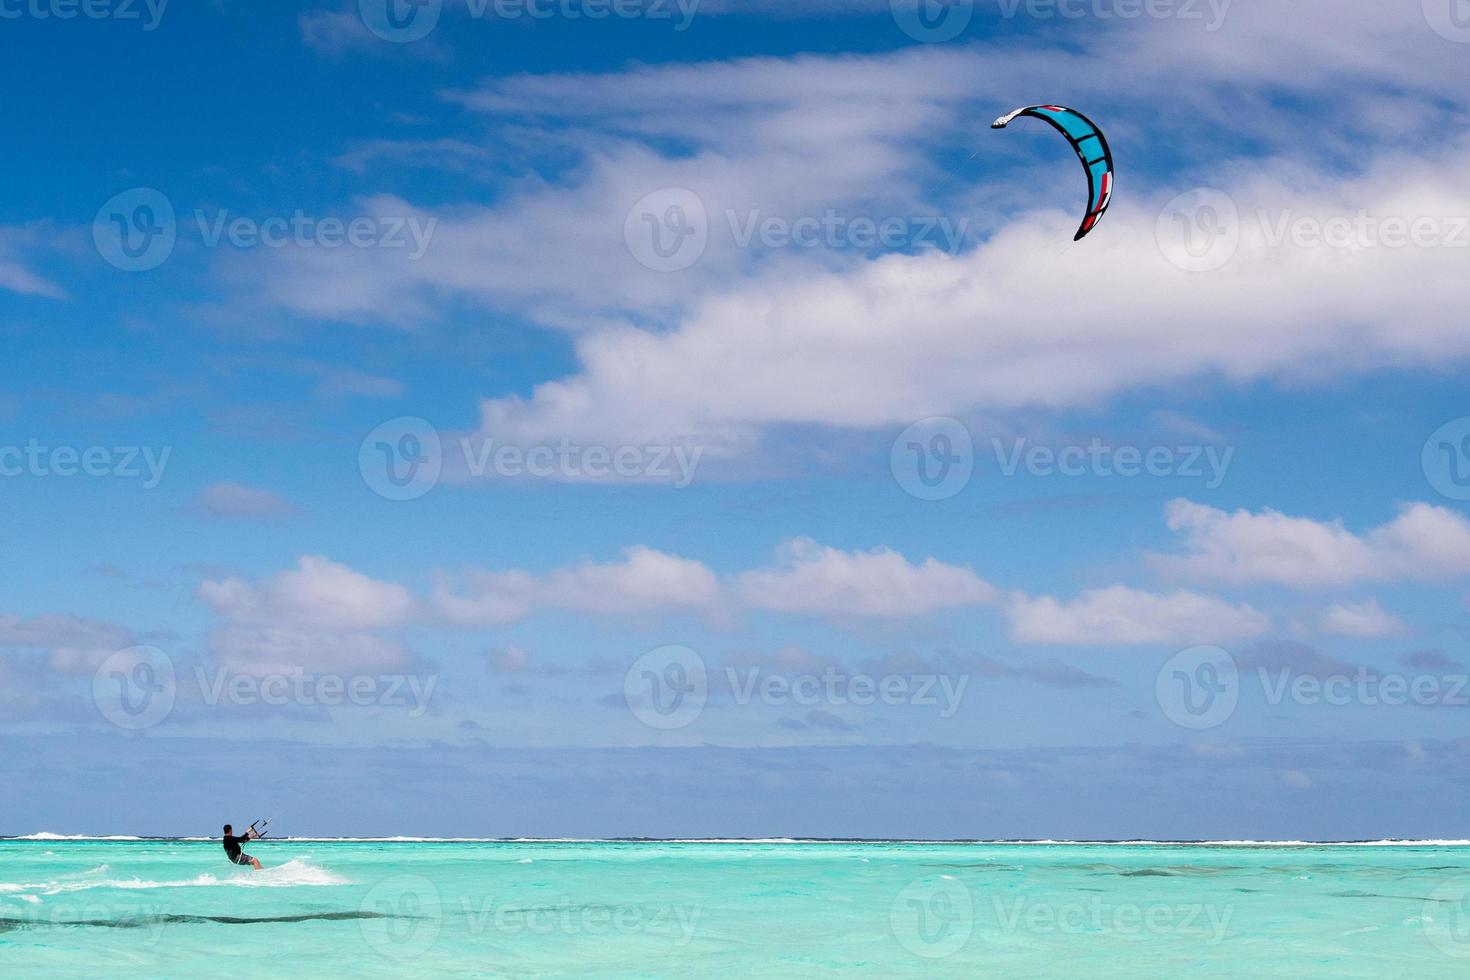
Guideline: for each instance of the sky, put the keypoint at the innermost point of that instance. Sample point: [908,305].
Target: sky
[689,419]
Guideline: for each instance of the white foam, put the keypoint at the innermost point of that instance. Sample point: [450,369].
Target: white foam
[297,872]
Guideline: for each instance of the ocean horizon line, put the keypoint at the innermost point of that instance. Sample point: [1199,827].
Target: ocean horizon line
[49,837]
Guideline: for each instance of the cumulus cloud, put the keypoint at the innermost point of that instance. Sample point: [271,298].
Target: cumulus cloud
[645,580]
[1246,548]
[809,578]
[1121,616]
[317,594]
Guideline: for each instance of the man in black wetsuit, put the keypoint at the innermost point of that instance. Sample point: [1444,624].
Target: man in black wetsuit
[232,847]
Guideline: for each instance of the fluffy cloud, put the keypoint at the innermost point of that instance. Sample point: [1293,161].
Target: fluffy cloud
[1120,616]
[810,578]
[317,594]
[1244,548]
[645,580]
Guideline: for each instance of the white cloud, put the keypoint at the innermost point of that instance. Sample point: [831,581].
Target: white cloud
[317,594]
[1244,548]
[810,578]
[645,580]
[1359,619]
[1121,616]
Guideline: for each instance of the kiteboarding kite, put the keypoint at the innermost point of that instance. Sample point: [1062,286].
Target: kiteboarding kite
[1090,145]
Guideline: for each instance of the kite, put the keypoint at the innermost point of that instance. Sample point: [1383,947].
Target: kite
[1091,147]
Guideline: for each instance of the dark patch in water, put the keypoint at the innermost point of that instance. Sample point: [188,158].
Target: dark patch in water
[147,921]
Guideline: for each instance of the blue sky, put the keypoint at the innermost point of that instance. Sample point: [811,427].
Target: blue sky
[1260,634]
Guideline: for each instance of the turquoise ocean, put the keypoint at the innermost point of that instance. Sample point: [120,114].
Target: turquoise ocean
[738,909]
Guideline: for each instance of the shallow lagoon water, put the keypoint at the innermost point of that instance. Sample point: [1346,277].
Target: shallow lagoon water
[732,909]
